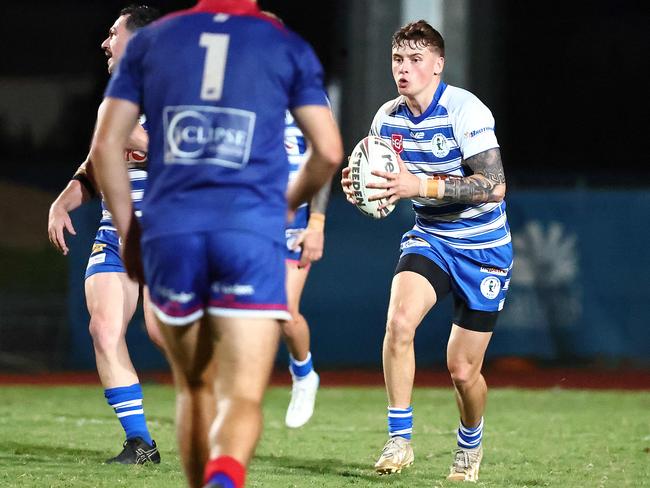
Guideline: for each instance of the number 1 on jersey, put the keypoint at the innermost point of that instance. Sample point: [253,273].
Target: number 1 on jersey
[215,65]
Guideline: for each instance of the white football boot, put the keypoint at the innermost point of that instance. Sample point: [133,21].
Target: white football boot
[467,463]
[396,454]
[303,399]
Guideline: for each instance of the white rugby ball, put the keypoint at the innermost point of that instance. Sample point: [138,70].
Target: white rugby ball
[371,154]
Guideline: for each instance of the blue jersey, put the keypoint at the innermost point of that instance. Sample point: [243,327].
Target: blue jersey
[454,127]
[217,159]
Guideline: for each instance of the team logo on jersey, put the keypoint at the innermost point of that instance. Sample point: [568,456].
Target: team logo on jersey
[134,156]
[439,145]
[397,141]
[490,287]
[208,135]
[97,247]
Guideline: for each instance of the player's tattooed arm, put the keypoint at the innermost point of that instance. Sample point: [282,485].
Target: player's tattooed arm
[487,184]
[319,202]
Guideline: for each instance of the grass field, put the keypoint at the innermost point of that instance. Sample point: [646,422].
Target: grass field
[59,436]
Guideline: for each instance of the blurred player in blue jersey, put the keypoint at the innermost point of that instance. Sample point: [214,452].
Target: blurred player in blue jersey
[451,169]
[305,240]
[215,82]
[111,296]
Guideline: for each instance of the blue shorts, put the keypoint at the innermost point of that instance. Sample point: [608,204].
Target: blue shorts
[229,273]
[105,256]
[294,229]
[480,277]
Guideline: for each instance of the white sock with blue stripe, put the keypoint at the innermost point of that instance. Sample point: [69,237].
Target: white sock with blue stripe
[470,437]
[400,422]
[127,403]
[300,369]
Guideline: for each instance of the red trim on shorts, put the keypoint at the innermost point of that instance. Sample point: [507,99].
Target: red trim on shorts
[174,311]
[228,466]
[247,306]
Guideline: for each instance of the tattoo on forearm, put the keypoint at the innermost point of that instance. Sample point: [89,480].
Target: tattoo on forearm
[485,185]
[319,201]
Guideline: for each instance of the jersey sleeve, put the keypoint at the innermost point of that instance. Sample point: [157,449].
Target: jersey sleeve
[474,128]
[126,82]
[308,87]
[380,116]
[375,127]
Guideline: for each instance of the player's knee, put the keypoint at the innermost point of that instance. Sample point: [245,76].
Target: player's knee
[400,329]
[463,373]
[105,334]
[289,327]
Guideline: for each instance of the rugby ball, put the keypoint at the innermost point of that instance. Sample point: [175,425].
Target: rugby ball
[371,154]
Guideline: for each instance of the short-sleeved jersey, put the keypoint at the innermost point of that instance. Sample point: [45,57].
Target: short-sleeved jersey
[456,126]
[215,82]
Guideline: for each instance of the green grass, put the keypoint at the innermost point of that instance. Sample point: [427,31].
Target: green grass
[58,437]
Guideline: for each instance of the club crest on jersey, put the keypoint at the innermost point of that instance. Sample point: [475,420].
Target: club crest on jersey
[439,145]
[490,287]
[134,156]
[97,247]
[397,141]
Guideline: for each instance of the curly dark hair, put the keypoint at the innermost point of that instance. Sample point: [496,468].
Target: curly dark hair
[139,16]
[420,34]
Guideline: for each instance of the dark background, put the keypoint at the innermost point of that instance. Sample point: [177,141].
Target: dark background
[566,81]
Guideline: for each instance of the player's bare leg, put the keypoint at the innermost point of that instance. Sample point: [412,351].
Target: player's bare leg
[150,320]
[111,299]
[412,296]
[190,351]
[297,338]
[465,354]
[227,361]
[245,353]
[296,331]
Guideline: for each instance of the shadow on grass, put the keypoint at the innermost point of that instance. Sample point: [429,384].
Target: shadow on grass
[291,465]
[48,453]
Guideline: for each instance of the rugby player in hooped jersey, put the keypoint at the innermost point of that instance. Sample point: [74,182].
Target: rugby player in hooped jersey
[305,240]
[450,167]
[215,82]
[111,296]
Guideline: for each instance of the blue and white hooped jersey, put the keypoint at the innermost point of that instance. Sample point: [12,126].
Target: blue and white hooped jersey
[215,82]
[296,147]
[136,162]
[456,126]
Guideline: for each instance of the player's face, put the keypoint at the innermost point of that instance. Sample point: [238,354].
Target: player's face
[415,68]
[115,43]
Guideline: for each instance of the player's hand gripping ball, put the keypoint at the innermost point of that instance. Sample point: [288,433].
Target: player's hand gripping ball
[371,154]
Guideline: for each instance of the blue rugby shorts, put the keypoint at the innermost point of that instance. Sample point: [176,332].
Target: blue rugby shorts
[229,273]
